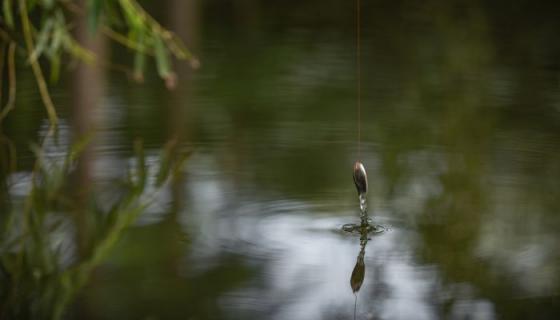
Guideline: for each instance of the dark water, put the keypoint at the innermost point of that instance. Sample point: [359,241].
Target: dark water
[460,137]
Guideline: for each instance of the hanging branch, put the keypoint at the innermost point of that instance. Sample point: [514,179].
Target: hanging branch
[45,96]
[123,21]
[11,81]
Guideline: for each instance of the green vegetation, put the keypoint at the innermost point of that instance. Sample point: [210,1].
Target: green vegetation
[38,31]
[39,278]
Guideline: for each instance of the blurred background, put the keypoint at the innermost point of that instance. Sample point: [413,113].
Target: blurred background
[460,127]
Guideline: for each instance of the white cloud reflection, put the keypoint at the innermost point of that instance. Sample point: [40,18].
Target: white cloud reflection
[305,260]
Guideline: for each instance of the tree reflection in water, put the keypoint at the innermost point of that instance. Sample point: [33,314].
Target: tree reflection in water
[42,265]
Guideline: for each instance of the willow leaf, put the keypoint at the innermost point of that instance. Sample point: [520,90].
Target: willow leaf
[162,58]
[42,41]
[8,17]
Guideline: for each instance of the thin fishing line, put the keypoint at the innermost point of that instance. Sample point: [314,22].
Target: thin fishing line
[355,304]
[359,75]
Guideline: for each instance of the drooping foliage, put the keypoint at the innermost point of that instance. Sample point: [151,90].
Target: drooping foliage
[42,33]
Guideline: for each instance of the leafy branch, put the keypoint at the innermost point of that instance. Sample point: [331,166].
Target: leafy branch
[44,32]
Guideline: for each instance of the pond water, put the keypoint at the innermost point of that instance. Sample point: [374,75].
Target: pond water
[460,127]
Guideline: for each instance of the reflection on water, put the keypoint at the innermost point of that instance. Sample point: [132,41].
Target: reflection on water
[359,272]
[461,139]
[52,241]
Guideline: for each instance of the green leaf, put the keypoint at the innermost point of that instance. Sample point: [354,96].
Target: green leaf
[162,58]
[139,57]
[131,14]
[94,10]
[42,40]
[56,40]
[8,17]
[55,68]
[77,50]
[48,3]
[77,148]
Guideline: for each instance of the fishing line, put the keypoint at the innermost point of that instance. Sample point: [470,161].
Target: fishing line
[359,74]
[355,304]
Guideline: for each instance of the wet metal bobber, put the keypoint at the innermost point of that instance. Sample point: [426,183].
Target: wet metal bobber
[360,178]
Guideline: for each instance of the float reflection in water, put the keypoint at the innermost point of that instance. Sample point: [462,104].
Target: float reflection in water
[359,271]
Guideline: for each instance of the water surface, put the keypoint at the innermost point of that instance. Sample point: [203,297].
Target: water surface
[460,137]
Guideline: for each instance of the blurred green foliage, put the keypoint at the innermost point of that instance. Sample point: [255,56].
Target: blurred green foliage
[43,30]
[42,265]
